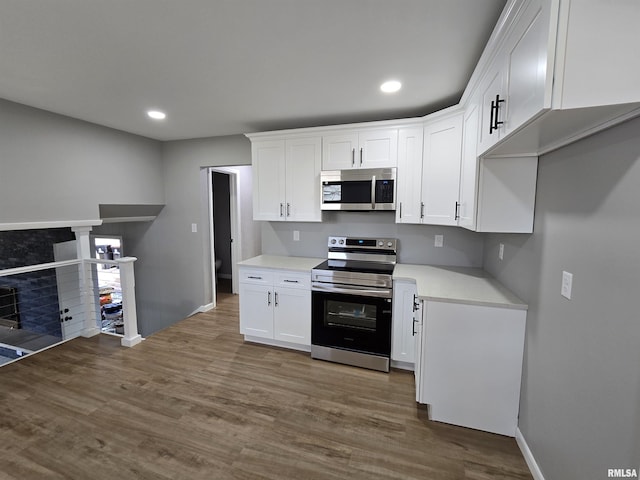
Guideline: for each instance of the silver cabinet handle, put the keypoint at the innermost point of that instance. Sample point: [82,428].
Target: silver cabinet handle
[276,298]
[361,150]
[400,209]
[288,209]
[413,327]
[255,278]
[291,281]
[281,205]
[353,157]
[421,209]
[268,298]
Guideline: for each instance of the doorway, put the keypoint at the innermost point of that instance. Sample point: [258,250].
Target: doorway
[108,282]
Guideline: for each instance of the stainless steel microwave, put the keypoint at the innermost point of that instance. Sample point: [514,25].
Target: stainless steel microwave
[361,189]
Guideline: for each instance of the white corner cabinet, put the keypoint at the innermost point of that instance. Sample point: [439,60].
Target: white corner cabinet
[470,365]
[276,305]
[429,171]
[555,71]
[351,149]
[286,179]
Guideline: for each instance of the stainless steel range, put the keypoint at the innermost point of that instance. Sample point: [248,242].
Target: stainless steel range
[351,296]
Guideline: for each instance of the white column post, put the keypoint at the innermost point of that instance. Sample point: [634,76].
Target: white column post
[83,249]
[128,283]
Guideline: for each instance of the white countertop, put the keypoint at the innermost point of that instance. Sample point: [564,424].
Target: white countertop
[471,286]
[303,264]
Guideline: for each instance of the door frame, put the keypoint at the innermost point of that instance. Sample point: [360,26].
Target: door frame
[235,218]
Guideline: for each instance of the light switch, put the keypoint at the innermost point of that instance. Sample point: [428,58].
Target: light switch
[567,282]
[439,241]
[296,235]
[501,252]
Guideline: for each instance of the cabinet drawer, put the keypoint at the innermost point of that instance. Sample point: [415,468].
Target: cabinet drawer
[257,277]
[293,280]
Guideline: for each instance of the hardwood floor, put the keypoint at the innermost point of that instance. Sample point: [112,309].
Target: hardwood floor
[195,402]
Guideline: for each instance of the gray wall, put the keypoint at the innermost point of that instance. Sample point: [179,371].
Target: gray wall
[580,404]
[174,264]
[55,168]
[461,247]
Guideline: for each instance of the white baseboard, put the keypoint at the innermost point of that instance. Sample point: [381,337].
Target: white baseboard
[528,456]
[202,309]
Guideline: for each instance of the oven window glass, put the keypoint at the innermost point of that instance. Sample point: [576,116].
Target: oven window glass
[356,316]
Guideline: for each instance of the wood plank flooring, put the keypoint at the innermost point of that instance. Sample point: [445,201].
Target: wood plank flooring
[195,402]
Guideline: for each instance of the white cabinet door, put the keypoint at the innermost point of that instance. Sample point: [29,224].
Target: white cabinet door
[418,317]
[529,75]
[256,310]
[469,168]
[378,148]
[472,363]
[292,315]
[303,162]
[339,151]
[492,109]
[409,177]
[403,333]
[441,170]
[363,149]
[268,168]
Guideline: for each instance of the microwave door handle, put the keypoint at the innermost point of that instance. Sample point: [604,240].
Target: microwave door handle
[373,192]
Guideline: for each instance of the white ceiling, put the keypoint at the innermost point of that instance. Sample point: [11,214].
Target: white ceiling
[220,67]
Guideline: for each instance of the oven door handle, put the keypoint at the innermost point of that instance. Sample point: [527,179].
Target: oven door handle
[366,292]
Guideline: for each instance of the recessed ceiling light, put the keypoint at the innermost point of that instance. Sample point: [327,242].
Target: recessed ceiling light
[391,86]
[156,114]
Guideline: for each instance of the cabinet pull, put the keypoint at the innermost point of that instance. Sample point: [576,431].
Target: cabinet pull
[421,209]
[288,209]
[268,298]
[361,151]
[276,298]
[281,205]
[457,215]
[254,277]
[494,124]
[415,303]
[413,327]
[400,209]
[353,157]
[291,281]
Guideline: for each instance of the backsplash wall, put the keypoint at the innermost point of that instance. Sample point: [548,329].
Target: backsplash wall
[415,242]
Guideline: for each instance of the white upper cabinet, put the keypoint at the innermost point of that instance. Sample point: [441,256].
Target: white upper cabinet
[360,149]
[429,172]
[409,176]
[268,165]
[556,71]
[286,179]
[441,170]
[469,167]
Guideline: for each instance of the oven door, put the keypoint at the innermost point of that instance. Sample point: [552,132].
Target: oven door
[354,321]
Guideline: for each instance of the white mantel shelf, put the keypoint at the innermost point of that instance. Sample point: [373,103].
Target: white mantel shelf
[471,286]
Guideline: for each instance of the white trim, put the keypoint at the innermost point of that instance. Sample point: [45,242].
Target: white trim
[277,343]
[536,473]
[399,364]
[132,341]
[43,225]
[144,218]
[202,309]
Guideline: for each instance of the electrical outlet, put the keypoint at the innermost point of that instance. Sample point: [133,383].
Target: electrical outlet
[501,252]
[296,235]
[194,227]
[567,283]
[439,241]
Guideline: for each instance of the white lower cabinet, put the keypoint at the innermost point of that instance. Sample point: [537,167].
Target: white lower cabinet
[402,331]
[276,305]
[471,365]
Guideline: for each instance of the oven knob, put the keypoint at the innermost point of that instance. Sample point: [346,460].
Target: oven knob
[380,243]
[333,241]
[341,241]
[389,244]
